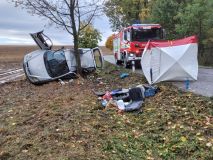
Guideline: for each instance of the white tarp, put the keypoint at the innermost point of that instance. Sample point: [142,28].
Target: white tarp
[170,60]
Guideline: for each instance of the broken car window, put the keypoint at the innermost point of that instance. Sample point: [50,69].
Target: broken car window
[56,63]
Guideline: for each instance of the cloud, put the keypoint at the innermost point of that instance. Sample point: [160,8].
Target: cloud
[16,24]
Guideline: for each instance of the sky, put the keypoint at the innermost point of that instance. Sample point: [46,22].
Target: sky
[16,24]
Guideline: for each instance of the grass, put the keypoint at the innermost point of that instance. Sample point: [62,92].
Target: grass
[164,131]
[67,122]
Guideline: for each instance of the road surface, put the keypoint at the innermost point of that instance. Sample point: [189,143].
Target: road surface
[203,86]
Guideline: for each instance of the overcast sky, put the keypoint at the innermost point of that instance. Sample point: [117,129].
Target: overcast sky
[16,24]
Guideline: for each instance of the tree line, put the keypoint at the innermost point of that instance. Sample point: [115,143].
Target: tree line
[180,18]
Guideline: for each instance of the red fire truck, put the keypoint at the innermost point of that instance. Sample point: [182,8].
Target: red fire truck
[129,43]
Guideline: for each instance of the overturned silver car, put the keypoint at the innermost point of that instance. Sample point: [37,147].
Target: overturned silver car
[47,65]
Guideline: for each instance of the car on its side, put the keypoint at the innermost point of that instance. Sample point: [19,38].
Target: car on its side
[47,65]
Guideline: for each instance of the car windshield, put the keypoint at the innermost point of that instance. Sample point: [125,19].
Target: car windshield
[56,63]
[143,35]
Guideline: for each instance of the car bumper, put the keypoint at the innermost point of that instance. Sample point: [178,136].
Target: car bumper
[133,58]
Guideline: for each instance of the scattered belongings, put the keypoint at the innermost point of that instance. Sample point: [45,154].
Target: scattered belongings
[170,60]
[47,65]
[127,100]
[134,106]
[107,96]
[104,102]
[150,91]
[61,82]
[111,104]
[137,93]
[121,104]
[71,80]
[124,75]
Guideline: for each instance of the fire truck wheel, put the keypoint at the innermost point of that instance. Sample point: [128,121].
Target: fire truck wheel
[127,64]
[138,64]
[118,62]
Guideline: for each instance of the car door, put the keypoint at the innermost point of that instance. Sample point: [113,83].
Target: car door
[42,40]
[98,58]
[91,58]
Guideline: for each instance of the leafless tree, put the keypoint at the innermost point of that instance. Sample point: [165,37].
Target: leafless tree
[66,14]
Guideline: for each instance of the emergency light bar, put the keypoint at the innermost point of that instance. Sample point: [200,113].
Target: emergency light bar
[138,25]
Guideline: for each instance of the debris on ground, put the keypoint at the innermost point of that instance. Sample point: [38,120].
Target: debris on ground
[124,75]
[127,99]
[150,91]
[61,82]
[107,96]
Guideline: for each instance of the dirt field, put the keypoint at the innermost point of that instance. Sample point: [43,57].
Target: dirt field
[12,56]
[55,121]
[16,53]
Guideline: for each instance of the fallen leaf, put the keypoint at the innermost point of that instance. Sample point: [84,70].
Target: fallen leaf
[169,123]
[183,139]
[10,111]
[174,126]
[201,138]
[209,144]
[25,151]
[181,126]
[198,134]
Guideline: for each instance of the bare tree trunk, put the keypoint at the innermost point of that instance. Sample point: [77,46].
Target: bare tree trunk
[75,36]
[77,55]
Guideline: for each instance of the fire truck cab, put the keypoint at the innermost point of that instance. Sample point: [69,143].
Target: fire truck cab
[129,43]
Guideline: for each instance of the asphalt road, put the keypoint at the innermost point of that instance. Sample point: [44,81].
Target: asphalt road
[203,86]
